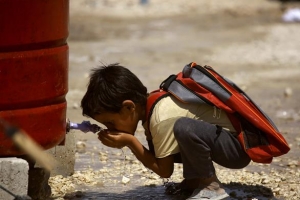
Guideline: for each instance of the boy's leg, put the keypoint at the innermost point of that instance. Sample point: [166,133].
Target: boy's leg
[201,143]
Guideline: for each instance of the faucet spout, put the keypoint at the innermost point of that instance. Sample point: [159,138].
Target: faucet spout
[84,126]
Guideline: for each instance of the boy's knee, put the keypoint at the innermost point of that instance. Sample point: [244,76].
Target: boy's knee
[179,127]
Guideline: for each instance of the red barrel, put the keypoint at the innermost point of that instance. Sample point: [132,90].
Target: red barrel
[34,70]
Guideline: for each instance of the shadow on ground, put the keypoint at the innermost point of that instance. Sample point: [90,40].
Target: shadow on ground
[235,190]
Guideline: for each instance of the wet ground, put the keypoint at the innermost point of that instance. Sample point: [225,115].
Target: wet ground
[257,51]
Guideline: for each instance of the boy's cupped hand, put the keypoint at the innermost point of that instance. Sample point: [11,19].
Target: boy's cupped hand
[114,139]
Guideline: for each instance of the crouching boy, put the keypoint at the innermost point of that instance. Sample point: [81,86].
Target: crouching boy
[188,133]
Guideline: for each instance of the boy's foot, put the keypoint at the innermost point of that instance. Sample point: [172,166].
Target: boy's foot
[177,189]
[211,192]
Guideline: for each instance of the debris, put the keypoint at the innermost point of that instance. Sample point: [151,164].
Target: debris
[291,15]
[288,115]
[75,106]
[80,146]
[288,92]
[125,180]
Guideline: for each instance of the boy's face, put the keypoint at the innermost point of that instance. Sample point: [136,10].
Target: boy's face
[124,121]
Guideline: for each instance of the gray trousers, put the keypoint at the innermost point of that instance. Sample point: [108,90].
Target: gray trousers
[202,143]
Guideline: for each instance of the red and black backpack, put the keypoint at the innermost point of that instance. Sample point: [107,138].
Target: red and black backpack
[196,84]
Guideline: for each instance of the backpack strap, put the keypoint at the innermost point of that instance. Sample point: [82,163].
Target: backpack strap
[152,99]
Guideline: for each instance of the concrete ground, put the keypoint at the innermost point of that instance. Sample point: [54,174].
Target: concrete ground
[245,41]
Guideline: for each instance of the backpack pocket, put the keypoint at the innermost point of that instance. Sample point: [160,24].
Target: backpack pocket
[253,137]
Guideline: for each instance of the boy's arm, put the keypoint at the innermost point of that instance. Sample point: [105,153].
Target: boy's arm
[161,166]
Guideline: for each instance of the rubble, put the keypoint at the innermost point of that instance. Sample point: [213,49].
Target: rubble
[280,182]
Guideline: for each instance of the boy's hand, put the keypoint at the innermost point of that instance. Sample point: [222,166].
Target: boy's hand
[114,139]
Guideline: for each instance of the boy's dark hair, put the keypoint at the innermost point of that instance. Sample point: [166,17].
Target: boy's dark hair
[109,86]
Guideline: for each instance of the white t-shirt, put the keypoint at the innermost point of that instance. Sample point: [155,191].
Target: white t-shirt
[165,114]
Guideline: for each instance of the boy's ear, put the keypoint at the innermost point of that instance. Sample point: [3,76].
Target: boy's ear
[128,105]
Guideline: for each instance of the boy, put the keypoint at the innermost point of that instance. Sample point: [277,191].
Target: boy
[116,98]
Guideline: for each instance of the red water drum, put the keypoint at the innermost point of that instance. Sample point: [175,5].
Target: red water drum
[33,70]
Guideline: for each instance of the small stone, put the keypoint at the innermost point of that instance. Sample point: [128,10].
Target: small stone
[103,158]
[75,106]
[80,144]
[288,92]
[125,180]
